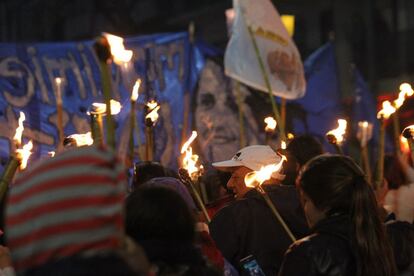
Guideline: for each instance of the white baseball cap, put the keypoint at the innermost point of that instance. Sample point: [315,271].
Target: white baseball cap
[253,157]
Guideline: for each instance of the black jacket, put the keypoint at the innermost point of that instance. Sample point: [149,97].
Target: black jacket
[327,252]
[248,227]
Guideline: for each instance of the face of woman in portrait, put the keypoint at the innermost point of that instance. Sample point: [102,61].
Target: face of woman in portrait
[216,115]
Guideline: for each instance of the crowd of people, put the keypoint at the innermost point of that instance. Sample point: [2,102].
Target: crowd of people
[77,214]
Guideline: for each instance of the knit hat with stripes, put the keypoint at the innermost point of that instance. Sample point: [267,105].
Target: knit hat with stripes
[67,205]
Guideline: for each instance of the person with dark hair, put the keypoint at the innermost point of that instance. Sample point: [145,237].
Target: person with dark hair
[161,222]
[146,170]
[247,226]
[348,235]
[300,150]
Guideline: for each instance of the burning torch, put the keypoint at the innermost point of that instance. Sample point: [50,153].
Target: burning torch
[384,114]
[110,48]
[364,134]
[255,179]
[78,140]
[270,129]
[134,98]
[151,118]
[408,133]
[405,91]
[16,161]
[191,171]
[98,110]
[336,136]
[59,109]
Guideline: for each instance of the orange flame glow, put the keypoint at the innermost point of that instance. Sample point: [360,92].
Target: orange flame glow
[257,178]
[82,139]
[24,153]
[118,51]
[19,130]
[339,132]
[100,108]
[405,91]
[283,145]
[404,146]
[153,108]
[386,111]
[270,124]
[290,136]
[190,160]
[135,90]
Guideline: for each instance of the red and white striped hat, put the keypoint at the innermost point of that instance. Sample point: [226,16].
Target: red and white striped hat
[66,205]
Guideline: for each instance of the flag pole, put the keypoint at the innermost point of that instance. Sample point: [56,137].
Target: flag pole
[267,82]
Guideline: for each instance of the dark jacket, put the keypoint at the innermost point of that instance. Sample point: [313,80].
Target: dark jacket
[248,227]
[327,252]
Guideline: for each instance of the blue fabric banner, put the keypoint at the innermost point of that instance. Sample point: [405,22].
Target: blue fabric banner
[167,64]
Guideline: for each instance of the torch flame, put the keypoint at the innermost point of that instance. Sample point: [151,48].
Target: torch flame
[19,130]
[257,178]
[24,153]
[270,124]
[339,132]
[134,95]
[153,114]
[100,108]
[405,91]
[118,51]
[283,145]
[82,139]
[290,136]
[386,111]
[404,146]
[190,160]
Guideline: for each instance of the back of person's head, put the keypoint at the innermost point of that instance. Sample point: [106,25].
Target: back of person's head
[160,220]
[335,184]
[303,148]
[300,150]
[174,184]
[158,213]
[71,204]
[146,170]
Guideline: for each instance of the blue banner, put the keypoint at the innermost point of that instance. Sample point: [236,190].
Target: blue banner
[167,64]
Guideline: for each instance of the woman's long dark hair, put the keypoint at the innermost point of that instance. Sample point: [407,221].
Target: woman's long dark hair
[335,183]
